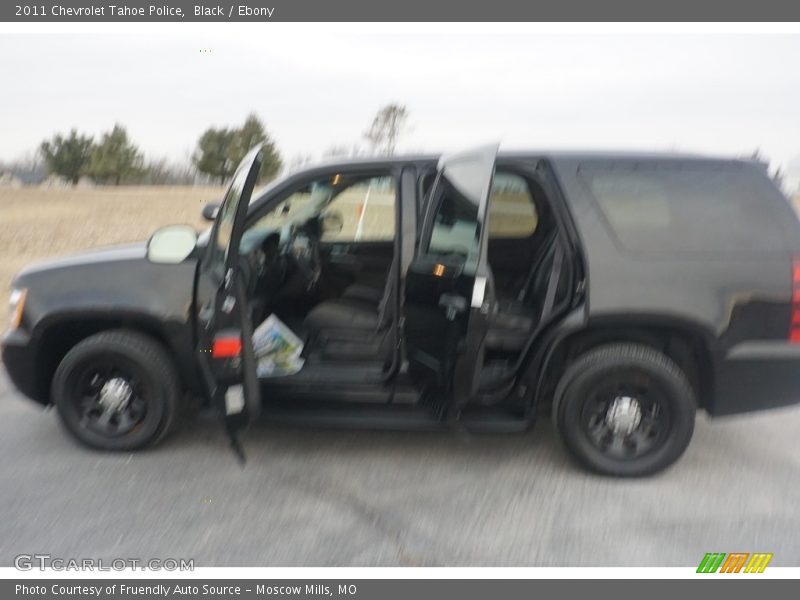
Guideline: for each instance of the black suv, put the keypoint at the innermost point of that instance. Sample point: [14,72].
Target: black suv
[471,292]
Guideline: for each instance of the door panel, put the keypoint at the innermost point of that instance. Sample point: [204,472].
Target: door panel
[448,288]
[224,331]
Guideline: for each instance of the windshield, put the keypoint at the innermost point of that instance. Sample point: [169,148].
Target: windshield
[362,204]
[298,207]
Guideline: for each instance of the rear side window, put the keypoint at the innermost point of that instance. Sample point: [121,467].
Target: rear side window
[693,209]
[512,211]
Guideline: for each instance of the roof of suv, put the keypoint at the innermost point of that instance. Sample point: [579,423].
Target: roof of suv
[375,161]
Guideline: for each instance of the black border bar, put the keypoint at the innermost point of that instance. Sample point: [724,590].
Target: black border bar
[732,587]
[49,11]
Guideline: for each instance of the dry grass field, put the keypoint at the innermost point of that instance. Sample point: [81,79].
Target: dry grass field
[39,223]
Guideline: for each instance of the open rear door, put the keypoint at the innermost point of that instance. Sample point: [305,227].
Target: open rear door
[225,332]
[448,287]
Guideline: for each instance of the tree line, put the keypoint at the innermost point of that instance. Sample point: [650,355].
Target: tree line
[114,158]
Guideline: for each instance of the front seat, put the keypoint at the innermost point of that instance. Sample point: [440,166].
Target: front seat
[363,293]
[354,327]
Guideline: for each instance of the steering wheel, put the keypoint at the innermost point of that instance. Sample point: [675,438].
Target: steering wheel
[303,251]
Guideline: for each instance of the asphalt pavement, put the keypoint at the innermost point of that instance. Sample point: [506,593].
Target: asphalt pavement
[312,497]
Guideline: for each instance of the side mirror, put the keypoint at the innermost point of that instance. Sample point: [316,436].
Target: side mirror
[210,211]
[331,222]
[172,244]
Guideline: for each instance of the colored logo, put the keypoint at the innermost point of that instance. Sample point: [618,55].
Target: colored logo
[736,562]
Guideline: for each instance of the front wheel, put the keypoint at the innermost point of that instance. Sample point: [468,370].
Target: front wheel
[117,390]
[625,410]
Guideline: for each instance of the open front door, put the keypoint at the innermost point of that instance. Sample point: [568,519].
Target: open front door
[448,287]
[225,345]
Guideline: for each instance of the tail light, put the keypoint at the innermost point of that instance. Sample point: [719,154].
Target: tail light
[794,325]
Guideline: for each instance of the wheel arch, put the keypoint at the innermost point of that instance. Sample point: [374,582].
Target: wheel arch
[689,345]
[56,335]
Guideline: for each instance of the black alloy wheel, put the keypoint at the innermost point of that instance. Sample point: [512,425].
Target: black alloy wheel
[625,410]
[117,390]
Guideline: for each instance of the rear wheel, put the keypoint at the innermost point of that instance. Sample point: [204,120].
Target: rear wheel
[117,390]
[625,410]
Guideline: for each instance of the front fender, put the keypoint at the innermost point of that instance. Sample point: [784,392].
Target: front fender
[66,305]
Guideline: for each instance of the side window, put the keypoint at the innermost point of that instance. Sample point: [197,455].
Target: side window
[512,215]
[456,229]
[512,211]
[366,211]
[687,209]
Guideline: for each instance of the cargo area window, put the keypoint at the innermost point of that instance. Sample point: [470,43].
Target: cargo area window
[693,209]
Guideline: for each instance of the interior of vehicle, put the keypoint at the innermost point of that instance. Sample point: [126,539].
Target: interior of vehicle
[320,261]
[524,269]
[522,249]
[325,262]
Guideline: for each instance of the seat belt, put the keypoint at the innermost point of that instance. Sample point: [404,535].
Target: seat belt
[552,284]
[523,292]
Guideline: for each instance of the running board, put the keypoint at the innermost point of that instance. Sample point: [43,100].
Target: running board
[397,418]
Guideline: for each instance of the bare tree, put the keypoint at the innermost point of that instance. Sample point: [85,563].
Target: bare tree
[299,161]
[336,151]
[778,177]
[765,163]
[386,128]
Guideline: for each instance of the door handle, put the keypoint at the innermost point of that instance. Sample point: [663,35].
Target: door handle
[453,305]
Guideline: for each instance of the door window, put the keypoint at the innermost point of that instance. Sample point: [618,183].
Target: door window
[456,229]
[458,193]
[221,236]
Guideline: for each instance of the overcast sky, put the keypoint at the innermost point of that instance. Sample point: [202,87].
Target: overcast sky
[315,88]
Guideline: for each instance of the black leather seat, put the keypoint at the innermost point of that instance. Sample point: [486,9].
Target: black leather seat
[356,325]
[509,332]
[342,314]
[513,321]
[363,293]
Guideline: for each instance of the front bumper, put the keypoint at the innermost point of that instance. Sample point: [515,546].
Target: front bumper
[20,363]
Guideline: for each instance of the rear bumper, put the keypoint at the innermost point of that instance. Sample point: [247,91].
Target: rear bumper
[19,360]
[757,375]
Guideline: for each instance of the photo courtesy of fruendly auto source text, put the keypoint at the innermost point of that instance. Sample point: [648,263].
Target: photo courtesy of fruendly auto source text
[361,300]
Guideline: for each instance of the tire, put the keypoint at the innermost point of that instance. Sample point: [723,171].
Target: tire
[124,366]
[636,380]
